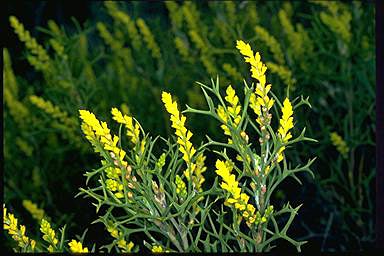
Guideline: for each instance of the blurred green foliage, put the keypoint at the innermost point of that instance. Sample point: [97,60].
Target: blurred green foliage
[125,56]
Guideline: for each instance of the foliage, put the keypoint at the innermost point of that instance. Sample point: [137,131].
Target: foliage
[127,57]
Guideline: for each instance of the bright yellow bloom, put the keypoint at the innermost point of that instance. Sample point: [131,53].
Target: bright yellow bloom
[49,234]
[98,133]
[94,129]
[259,101]
[32,208]
[194,170]
[17,233]
[286,123]
[238,200]
[178,122]
[340,144]
[234,109]
[133,128]
[126,247]
[77,247]
[158,248]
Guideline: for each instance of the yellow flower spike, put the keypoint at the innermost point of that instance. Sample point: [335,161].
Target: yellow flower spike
[77,247]
[259,101]
[237,199]
[340,144]
[234,109]
[126,247]
[126,20]
[232,72]
[149,39]
[49,235]
[133,128]
[286,123]
[39,58]
[32,208]
[272,44]
[98,133]
[186,147]
[17,233]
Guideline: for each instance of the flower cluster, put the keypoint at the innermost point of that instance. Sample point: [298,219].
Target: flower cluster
[181,188]
[272,43]
[238,199]
[149,39]
[339,143]
[286,123]
[175,14]
[284,73]
[32,208]
[126,20]
[158,248]
[133,128]
[54,111]
[194,170]
[182,48]
[17,109]
[77,247]
[232,72]
[49,235]
[17,232]
[338,19]
[59,48]
[233,114]
[259,101]
[98,133]
[121,242]
[39,58]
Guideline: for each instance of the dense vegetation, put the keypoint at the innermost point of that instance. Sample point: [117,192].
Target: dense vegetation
[127,54]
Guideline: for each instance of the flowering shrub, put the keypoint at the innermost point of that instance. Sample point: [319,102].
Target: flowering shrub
[324,50]
[163,197]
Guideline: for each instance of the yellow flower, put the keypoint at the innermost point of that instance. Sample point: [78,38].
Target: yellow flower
[32,208]
[183,136]
[286,123]
[98,134]
[181,189]
[158,248]
[232,71]
[126,20]
[49,234]
[340,144]
[17,233]
[126,247]
[272,44]
[234,109]
[133,128]
[284,73]
[39,58]
[77,247]
[182,47]
[259,100]
[149,39]
[237,199]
